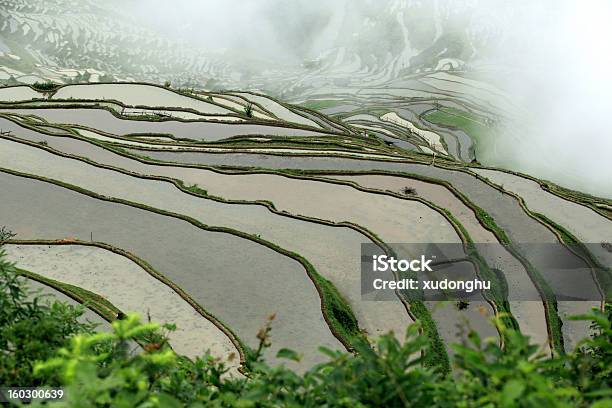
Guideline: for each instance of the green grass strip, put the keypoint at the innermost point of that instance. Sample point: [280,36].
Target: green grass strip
[91,300]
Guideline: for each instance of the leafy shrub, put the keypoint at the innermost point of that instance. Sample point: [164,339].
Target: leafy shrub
[44,86]
[31,330]
[6,234]
[409,191]
[462,304]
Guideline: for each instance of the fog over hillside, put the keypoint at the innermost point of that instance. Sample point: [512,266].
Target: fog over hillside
[557,60]
[284,31]
[280,30]
[550,58]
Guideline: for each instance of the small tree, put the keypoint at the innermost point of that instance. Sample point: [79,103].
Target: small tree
[6,234]
[167,84]
[462,304]
[409,190]
[248,110]
[44,86]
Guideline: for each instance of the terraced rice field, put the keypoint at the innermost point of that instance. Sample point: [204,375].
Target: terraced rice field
[198,131]
[243,206]
[334,257]
[104,273]
[18,93]
[138,95]
[585,224]
[529,313]
[278,110]
[390,218]
[193,259]
[432,138]
[505,210]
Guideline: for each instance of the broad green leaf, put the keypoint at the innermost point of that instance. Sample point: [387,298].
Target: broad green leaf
[512,391]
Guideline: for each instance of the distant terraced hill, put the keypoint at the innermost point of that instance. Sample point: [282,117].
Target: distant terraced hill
[85,41]
[88,41]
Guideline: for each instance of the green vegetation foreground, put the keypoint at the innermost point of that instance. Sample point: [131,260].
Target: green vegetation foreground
[43,344]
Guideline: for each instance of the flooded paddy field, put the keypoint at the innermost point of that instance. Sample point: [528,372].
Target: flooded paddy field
[18,93]
[322,222]
[529,313]
[388,217]
[195,260]
[322,121]
[505,209]
[138,95]
[454,325]
[333,251]
[278,109]
[199,131]
[391,219]
[459,143]
[587,225]
[128,287]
